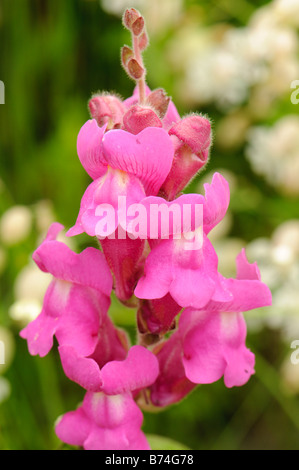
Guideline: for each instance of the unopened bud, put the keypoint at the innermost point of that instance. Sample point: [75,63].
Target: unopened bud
[138,26]
[107,109]
[130,16]
[138,118]
[191,139]
[135,70]
[126,55]
[143,41]
[195,132]
[159,101]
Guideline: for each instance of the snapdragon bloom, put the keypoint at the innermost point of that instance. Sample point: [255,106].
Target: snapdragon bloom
[141,154]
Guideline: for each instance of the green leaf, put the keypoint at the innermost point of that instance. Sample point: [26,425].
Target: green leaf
[164,443]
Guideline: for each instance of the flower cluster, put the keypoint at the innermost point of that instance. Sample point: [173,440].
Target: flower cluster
[141,154]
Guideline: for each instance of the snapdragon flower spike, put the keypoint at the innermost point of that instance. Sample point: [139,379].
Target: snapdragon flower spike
[189,275]
[104,422]
[76,302]
[192,140]
[214,338]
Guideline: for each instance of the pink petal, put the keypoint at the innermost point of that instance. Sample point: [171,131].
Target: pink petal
[73,428]
[214,346]
[217,196]
[191,277]
[140,369]
[89,148]
[101,208]
[147,155]
[246,270]
[160,218]
[88,268]
[82,370]
[171,117]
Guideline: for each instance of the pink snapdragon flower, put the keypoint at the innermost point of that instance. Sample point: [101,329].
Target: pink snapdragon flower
[210,342]
[190,276]
[110,419]
[75,305]
[104,422]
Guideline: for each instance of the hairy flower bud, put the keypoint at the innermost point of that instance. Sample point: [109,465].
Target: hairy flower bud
[159,101]
[192,140]
[139,117]
[138,26]
[106,109]
[135,70]
[129,17]
[143,41]
[126,55]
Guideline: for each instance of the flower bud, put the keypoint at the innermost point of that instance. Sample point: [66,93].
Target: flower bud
[138,26]
[143,41]
[126,55]
[159,101]
[107,109]
[135,70]
[138,118]
[130,16]
[192,139]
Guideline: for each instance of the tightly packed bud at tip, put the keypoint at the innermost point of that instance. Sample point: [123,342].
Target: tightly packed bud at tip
[129,17]
[138,26]
[135,70]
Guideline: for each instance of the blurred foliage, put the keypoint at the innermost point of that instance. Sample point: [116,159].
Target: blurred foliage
[54,55]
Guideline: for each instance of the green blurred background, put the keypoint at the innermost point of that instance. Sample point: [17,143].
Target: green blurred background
[233,60]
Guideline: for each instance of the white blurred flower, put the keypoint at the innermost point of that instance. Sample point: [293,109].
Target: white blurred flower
[287,11]
[117,7]
[274,153]
[159,14]
[278,261]
[227,66]
[31,283]
[44,215]
[7,348]
[15,225]
[25,310]
[29,290]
